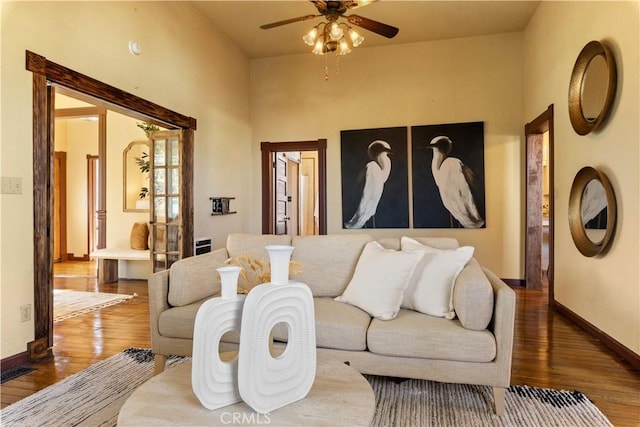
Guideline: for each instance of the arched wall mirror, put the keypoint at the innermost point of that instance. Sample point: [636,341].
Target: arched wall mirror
[592,88]
[135,177]
[592,211]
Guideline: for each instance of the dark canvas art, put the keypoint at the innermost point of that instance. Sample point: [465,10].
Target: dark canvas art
[374,178]
[448,175]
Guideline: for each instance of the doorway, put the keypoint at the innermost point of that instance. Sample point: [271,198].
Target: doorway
[295,193]
[539,253]
[47,78]
[79,136]
[278,202]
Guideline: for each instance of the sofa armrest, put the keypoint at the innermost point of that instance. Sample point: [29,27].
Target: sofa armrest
[158,284]
[502,324]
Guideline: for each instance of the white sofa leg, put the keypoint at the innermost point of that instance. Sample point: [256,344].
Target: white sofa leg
[159,361]
[498,399]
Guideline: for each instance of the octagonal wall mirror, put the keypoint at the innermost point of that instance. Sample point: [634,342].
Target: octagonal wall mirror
[135,177]
[592,88]
[592,211]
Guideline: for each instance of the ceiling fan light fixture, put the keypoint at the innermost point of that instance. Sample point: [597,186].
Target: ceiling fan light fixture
[318,49]
[356,39]
[344,47]
[311,36]
[336,31]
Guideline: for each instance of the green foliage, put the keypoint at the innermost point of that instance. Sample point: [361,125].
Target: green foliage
[148,127]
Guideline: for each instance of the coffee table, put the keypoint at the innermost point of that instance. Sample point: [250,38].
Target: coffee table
[340,396]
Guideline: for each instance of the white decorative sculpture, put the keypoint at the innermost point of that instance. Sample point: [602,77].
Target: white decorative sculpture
[214,382]
[264,382]
[279,257]
[267,383]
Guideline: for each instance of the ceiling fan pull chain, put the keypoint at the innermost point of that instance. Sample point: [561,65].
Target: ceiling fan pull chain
[326,68]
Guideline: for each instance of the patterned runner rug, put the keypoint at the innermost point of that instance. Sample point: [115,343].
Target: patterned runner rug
[94,396]
[68,304]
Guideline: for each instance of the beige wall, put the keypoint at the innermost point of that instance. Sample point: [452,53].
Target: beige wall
[82,140]
[121,130]
[604,290]
[451,81]
[186,65]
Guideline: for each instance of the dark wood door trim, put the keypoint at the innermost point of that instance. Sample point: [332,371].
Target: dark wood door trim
[47,78]
[268,148]
[533,236]
[101,93]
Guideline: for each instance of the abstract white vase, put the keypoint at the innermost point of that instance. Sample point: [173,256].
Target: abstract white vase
[265,382]
[229,281]
[214,382]
[279,258]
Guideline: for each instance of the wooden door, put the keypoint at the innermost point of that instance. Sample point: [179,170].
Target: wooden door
[281,195]
[93,192]
[535,136]
[59,206]
[293,196]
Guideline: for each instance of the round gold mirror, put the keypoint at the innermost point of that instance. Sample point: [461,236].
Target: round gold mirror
[592,211]
[592,88]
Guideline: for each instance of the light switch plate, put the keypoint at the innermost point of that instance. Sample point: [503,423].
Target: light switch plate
[11,185]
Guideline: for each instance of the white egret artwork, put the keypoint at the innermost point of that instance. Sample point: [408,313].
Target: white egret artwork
[448,175]
[374,178]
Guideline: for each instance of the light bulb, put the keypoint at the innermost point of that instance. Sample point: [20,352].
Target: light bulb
[310,37]
[336,31]
[344,47]
[318,47]
[356,39]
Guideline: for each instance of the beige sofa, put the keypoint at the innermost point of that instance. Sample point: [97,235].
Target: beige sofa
[473,348]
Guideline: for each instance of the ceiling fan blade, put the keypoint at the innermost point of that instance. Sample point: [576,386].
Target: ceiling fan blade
[385,30]
[287,21]
[359,3]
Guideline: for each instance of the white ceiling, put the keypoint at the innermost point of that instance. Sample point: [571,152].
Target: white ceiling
[417,21]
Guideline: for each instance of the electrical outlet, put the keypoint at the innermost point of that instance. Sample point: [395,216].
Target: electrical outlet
[11,185]
[25,313]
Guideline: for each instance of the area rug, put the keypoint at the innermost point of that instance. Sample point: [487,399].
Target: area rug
[14,373]
[94,396]
[68,303]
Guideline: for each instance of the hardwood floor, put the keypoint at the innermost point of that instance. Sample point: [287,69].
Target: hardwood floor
[549,351]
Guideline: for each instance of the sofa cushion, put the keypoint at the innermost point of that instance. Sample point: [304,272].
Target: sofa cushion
[434,242]
[413,334]
[252,245]
[326,263]
[381,276]
[338,326]
[431,288]
[473,297]
[178,322]
[194,278]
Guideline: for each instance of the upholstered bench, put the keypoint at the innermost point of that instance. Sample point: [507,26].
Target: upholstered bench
[109,258]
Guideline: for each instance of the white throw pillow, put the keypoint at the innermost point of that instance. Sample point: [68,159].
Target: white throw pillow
[430,290]
[379,281]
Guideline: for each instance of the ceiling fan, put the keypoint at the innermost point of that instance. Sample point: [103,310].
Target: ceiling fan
[329,36]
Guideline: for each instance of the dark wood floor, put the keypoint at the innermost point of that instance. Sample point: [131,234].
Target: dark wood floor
[549,350]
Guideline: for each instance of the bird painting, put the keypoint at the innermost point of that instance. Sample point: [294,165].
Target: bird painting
[455,184]
[376,174]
